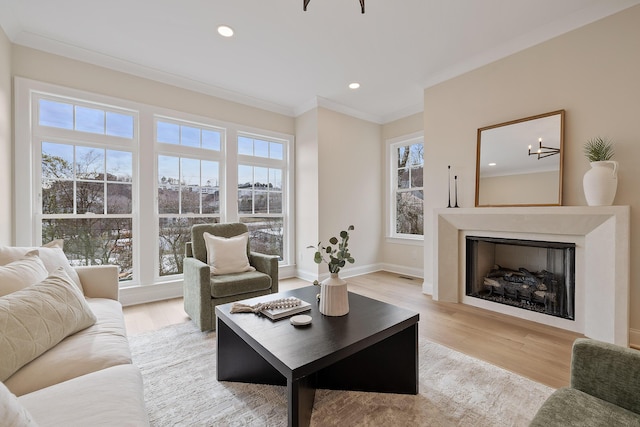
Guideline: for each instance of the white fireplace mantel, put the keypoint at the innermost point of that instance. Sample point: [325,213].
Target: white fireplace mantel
[602,241]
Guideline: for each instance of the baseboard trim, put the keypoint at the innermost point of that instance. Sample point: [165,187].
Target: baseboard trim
[634,338]
[403,270]
[150,293]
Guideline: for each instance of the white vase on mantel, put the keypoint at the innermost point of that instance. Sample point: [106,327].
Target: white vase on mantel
[601,183]
[334,297]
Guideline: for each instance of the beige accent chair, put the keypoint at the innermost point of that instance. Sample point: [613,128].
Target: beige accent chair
[203,291]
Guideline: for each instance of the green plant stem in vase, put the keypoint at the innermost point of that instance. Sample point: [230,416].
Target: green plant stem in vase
[336,256]
[601,181]
[598,149]
[334,297]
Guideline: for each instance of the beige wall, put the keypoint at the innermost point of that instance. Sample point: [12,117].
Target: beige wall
[6,151]
[531,188]
[593,73]
[399,257]
[45,67]
[320,134]
[349,159]
[307,204]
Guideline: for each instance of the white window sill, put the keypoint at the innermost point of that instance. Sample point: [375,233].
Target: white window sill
[412,241]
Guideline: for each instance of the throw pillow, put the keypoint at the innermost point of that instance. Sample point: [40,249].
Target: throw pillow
[13,413]
[227,255]
[21,273]
[36,318]
[51,255]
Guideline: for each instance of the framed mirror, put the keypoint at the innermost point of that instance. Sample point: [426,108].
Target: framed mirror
[519,163]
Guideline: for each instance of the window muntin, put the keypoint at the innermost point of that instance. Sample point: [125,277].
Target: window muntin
[259,190]
[81,118]
[74,180]
[188,193]
[407,204]
[262,170]
[258,147]
[121,234]
[188,186]
[77,180]
[188,135]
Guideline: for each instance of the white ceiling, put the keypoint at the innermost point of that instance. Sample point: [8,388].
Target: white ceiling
[289,61]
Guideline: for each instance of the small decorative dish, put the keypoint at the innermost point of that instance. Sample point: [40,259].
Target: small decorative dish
[301,320]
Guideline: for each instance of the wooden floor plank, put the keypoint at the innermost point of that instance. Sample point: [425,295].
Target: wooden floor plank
[536,351]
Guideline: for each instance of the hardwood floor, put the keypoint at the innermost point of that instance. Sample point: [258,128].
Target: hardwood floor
[535,351]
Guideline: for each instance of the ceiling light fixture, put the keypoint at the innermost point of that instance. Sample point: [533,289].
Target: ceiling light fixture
[354,85]
[225,31]
[306,2]
[543,151]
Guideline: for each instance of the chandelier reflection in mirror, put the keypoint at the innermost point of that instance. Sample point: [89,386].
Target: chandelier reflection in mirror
[306,2]
[543,151]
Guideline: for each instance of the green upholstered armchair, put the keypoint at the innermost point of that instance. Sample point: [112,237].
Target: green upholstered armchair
[203,291]
[604,390]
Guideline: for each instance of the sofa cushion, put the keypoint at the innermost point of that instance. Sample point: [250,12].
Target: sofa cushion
[36,318]
[110,397]
[98,347]
[12,413]
[227,255]
[51,255]
[239,283]
[21,273]
[568,407]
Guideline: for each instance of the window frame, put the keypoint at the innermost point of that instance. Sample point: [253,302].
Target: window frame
[144,172]
[392,186]
[28,157]
[185,152]
[287,177]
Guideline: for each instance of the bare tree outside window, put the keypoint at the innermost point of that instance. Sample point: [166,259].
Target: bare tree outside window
[409,206]
[188,194]
[81,186]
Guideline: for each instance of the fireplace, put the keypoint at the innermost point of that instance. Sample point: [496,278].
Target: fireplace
[531,275]
[602,260]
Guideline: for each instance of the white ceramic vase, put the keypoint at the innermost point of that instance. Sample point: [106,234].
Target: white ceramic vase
[600,183]
[334,298]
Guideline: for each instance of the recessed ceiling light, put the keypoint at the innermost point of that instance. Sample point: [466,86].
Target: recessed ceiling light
[492,164]
[225,31]
[354,85]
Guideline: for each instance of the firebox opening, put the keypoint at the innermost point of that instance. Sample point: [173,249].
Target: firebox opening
[528,274]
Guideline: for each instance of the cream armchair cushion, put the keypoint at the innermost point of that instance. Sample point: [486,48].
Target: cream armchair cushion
[227,255]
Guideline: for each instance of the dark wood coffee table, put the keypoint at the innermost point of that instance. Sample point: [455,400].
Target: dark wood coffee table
[372,348]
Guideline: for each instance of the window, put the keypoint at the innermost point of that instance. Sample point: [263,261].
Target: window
[188,186]
[406,188]
[86,185]
[261,172]
[122,182]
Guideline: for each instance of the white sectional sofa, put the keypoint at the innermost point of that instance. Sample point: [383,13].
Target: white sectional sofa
[87,378]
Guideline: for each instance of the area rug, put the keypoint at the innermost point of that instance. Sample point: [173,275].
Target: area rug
[179,372]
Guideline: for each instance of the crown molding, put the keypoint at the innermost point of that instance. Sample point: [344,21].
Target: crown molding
[55,47]
[404,112]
